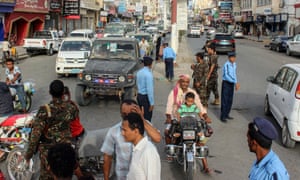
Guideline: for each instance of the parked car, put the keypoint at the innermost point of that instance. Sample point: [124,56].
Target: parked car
[42,41]
[210,33]
[293,45]
[110,70]
[224,42]
[84,33]
[72,55]
[238,33]
[148,37]
[282,100]
[194,31]
[279,43]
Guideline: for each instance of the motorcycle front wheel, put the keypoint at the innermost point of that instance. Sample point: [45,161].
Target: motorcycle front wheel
[190,171]
[28,101]
[16,165]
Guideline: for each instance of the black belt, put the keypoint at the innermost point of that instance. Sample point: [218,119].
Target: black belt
[231,83]
[142,94]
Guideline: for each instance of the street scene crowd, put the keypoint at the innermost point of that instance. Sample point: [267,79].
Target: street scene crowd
[130,145]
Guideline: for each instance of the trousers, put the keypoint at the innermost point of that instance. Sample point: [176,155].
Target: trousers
[169,68]
[144,102]
[226,98]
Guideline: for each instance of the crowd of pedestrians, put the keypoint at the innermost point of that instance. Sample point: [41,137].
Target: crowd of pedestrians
[57,124]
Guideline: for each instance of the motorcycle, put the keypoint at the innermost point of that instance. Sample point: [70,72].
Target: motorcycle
[29,91]
[14,131]
[90,158]
[184,148]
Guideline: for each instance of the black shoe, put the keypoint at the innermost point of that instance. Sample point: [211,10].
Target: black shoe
[223,120]
[230,118]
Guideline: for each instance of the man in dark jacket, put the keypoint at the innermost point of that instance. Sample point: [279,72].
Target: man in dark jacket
[6,101]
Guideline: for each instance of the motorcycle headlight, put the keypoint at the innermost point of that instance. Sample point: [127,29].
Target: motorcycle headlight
[88,77]
[188,135]
[60,59]
[121,78]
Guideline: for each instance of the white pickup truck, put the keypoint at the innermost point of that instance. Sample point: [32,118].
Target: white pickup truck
[293,45]
[42,41]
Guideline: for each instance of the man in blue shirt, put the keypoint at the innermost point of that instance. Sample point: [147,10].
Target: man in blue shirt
[228,83]
[145,86]
[267,165]
[169,57]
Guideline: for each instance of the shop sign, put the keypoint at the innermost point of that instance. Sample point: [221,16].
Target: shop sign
[32,5]
[71,7]
[55,5]
[267,11]
[225,5]
[103,13]
[8,1]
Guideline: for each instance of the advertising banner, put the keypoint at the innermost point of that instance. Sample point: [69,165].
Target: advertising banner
[71,7]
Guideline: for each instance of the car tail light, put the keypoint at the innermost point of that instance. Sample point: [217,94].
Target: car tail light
[232,41]
[298,133]
[297,92]
[44,42]
[216,40]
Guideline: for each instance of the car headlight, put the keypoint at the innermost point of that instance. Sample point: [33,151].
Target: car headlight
[88,77]
[121,78]
[188,135]
[60,59]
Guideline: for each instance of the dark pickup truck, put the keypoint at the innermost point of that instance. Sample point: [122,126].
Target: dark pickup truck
[110,70]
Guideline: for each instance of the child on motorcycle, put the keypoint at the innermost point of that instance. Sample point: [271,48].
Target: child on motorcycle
[190,107]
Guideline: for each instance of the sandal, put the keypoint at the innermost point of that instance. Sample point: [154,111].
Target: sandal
[207,171]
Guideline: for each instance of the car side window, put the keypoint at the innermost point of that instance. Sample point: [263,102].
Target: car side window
[280,76]
[289,79]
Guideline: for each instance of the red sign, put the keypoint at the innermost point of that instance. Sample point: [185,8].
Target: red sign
[32,5]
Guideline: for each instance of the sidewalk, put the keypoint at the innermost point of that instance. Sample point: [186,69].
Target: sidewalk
[264,39]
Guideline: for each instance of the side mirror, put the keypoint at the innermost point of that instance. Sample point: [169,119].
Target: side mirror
[271,79]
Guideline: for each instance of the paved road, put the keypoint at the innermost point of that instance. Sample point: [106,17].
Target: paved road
[229,154]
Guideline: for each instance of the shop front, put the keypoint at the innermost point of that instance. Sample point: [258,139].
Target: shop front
[52,20]
[247,22]
[6,6]
[28,17]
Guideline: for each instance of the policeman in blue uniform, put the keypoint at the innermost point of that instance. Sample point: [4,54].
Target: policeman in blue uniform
[267,165]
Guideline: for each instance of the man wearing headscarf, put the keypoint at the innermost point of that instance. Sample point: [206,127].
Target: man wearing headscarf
[176,98]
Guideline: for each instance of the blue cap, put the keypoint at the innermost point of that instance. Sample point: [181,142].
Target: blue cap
[231,54]
[265,128]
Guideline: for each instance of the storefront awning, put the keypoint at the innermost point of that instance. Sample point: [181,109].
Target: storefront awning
[72,17]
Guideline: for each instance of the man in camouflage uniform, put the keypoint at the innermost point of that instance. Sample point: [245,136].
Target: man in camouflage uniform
[51,126]
[200,71]
[212,77]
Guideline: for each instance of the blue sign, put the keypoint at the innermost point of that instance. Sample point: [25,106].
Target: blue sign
[122,7]
[224,5]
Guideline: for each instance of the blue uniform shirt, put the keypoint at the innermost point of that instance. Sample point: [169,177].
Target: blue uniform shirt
[169,53]
[229,72]
[145,83]
[269,168]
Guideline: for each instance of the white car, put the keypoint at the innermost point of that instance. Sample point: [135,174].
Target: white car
[238,34]
[283,102]
[293,45]
[72,55]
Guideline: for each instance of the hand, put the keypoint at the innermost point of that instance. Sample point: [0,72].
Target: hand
[135,108]
[151,108]
[192,66]
[237,86]
[175,64]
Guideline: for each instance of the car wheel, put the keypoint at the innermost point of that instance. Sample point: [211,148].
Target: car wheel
[50,51]
[267,107]
[277,49]
[270,47]
[286,136]
[288,52]
[83,97]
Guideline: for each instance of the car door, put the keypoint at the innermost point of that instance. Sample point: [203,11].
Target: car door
[56,41]
[274,90]
[286,98]
[295,44]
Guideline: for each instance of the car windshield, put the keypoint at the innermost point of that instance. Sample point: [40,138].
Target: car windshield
[113,50]
[114,29]
[139,37]
[75,46]
[223,37]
